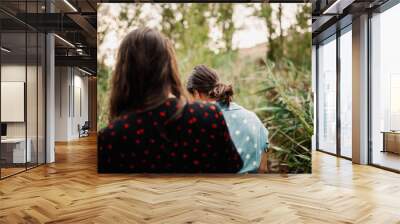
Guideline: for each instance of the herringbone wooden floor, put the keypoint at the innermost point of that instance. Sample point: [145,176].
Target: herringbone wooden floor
[70,191]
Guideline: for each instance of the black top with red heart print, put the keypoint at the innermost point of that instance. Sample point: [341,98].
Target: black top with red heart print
[196,140]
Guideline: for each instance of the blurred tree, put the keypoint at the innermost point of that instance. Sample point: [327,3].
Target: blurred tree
[279,16]
[265,12]
[104,27]
[197,28]
[298,43]
[293,46]
[172,23]
[224,20]
[130,16]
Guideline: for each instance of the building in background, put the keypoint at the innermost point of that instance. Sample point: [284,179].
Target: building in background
[48,78]
[357,80]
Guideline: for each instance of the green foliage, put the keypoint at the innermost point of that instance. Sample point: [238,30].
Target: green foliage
[288,113]
[298,43]
[103,90]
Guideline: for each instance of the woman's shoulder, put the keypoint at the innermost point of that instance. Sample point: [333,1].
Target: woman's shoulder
[202,106]
[122,124]
[237,111]
[202,111]
[236,108]
[113,126]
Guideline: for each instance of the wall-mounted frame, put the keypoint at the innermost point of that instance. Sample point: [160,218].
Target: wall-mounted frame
[12,98]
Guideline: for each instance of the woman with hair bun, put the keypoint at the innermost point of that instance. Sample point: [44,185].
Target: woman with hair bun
[245,128]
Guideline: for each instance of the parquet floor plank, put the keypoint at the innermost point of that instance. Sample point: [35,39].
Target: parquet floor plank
[71,191]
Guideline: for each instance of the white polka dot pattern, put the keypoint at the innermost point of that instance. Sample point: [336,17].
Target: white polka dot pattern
[247,132]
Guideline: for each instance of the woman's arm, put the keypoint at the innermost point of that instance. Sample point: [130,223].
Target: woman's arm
[265,153]
[264,163]
[101,152]
[106,150]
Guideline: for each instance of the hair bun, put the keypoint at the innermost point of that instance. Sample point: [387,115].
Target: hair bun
[222,93]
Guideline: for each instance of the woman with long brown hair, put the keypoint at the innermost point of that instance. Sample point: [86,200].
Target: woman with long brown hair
[153,128]
[247,131]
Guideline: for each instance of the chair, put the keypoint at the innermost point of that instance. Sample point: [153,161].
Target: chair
[84,130]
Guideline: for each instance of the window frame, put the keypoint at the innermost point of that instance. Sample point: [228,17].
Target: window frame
[339,32]
[381,9]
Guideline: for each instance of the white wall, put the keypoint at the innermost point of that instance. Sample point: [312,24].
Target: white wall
[80,110]
[70,83]
[61,103]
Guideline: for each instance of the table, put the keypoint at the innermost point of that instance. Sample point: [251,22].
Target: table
[391,141]
[15,148]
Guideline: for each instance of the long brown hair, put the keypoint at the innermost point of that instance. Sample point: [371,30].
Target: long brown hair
[206,81]
[146,72]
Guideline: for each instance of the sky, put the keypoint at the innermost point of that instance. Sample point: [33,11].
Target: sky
[252,30]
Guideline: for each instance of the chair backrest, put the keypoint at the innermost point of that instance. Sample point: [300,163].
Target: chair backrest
[86,124]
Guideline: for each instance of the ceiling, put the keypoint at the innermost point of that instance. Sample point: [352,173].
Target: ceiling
[330,15]
[74,22]
[202,1]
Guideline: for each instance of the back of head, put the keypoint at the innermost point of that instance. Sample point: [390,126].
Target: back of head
[145,73]
[206,81]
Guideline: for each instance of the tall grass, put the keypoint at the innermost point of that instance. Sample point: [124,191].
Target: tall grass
[289,114]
